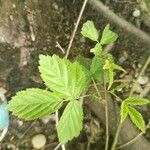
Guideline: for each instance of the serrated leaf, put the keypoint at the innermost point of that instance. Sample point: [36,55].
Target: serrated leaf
[34,103]
[137,101]
[66,79]
[97,49]
[136,118]
[70,123]
[108,36]
[88,30]
[96,69]
[4,115]
[124,111]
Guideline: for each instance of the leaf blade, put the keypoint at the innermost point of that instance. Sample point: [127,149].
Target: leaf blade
[137,101]
[34,103]
[124,111]
[70,123]
[108,36]
[88,30]
[136,118]
[66,79]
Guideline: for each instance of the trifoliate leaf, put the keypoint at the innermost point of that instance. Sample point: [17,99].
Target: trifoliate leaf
[108,36]
[97,49]
[66,79]
[88,30]
[34,103]
[137,101]
[96,69]
[70,123]
[136,118]
[124,111]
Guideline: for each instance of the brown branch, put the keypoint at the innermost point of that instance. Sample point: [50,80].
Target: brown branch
[128,27]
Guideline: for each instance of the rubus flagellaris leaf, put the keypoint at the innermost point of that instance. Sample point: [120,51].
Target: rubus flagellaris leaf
[70,123]
[34,103]
[66,79]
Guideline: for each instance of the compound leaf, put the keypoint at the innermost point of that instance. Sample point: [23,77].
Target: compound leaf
[34,103]
[136,118]
[136,101]
[66,79]
[88,30]
[124,111]
[70,123]
[108,36]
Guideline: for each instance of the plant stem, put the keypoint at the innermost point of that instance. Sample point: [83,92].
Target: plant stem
[141,72]
[96,88]
[76,27]
[116,136]
[106,117]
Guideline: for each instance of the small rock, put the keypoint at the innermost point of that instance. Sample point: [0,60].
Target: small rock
[38,141]
[20,123]
[136,13]
[142,80]
[138,88]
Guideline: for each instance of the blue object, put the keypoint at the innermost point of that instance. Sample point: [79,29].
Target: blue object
[4,115]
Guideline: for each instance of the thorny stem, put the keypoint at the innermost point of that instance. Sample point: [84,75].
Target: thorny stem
[116,136]
[106,117]
[76,27]
[142,71]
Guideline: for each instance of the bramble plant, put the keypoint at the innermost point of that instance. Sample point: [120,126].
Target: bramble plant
[67,81]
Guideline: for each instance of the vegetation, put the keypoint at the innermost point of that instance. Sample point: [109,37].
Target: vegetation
[68,81]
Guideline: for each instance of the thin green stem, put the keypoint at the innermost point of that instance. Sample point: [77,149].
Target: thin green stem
[113,147]
[106,117]
[96,88]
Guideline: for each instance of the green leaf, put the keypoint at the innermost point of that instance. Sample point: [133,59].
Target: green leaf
[97,49]
[70,123]
[136,118]
[85,62]
[137,101]
[117,67]
[96,68]
[88,30]
[124,111]
[34,103]
[66,79]
[108,36]
[108,67]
